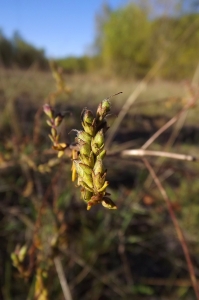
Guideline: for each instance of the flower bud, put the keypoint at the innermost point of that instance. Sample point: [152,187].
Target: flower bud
[86,195]
[102,154]
[50,123]
[84,172]
[85,149]
[53,132]
[103,109]
[79,170]
[90,129]
[108,203]
[22,253]
[86,182]
[88,121]
[48,111]
[98,181]
[87,116]
[88,160]
[83,136]
[86,169]
[58,120]
[99,138]
[59,146]
[98,167]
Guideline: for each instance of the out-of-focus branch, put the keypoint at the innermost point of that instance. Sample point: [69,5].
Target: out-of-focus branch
[142,152]
[62,278]
[177,227]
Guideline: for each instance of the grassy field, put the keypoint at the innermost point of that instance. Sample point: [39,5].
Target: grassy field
[129,252]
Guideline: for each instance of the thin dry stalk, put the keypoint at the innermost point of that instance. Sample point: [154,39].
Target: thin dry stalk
[165,127]
[142,152]
[62,278]
[170,142]
[177,227]
[183,116]
[179,122]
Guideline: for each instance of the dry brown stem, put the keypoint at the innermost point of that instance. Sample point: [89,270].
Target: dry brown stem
[62,278]
[177,227]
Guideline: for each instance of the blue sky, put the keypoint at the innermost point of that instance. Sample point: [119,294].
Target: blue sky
[61,27]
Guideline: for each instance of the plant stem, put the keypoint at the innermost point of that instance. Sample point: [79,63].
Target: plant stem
[62,278]
[142,152]
[177,227]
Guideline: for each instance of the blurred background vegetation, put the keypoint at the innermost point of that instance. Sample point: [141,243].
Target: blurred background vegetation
[131,253]
[128,42]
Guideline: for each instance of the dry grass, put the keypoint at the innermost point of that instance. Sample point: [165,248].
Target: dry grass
[107,252]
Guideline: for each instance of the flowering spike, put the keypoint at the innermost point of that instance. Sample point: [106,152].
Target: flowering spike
[89,163]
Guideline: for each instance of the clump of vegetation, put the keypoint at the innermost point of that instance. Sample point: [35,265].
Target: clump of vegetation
[16,52]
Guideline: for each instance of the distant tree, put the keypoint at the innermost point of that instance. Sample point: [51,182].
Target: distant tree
[167,33]
[130,40]
[18,52]
[100,19]
[6,51]
[26,54]
[125,41]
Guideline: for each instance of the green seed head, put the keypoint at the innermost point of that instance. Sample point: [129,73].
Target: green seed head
[87,116]
[103,109]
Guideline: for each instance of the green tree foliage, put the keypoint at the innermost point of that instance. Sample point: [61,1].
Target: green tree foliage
[74,64]
[20,53]
[125,41]
[129,42]
[181,34]
[26,54]
[6,51]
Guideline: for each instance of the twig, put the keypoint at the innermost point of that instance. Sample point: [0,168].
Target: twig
[62,278]
[182,117]
[165,127]
[142,152]
[177,227]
